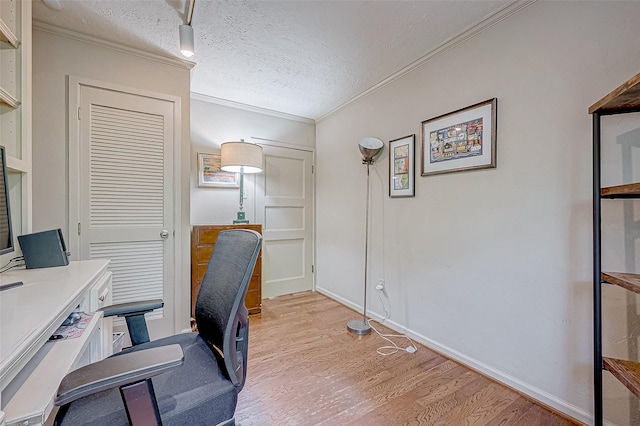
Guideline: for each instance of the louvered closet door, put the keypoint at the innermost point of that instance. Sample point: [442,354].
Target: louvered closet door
[126,206]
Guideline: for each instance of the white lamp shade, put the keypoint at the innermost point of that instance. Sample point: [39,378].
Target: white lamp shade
[186,40]
[241,156]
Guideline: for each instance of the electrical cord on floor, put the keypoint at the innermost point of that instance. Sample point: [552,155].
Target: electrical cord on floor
[392,348]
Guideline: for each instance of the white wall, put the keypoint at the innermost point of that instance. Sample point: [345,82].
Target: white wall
[54,58]
[213,124]
[494,266]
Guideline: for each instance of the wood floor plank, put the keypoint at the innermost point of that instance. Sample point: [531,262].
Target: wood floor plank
[537,415]
[442,400]
[512,413]
[306,369]
[445,386]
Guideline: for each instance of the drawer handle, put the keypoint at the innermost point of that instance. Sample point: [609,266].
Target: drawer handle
[103,296]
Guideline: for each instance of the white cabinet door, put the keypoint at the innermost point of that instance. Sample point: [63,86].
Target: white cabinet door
[125,205]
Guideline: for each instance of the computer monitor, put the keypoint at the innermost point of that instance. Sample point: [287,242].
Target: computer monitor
[6,231]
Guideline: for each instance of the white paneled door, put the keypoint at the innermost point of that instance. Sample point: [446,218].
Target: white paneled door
[284,206]
[125,205]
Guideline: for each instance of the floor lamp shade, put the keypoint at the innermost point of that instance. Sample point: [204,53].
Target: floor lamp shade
[241,157]
[370,148]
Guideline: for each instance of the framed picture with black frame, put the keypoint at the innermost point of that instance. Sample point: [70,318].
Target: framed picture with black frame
[402,167]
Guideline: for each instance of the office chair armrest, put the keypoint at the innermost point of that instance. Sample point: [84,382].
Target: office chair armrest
[118,371]
[133,313]
[138,307]
[236,342]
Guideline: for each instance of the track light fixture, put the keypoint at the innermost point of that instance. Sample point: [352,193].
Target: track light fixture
[187,47]
[186,40]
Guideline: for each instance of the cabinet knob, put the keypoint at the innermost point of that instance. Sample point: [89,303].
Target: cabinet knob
[164,234]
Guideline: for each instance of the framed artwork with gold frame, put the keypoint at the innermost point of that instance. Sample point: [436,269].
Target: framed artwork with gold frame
[210,175]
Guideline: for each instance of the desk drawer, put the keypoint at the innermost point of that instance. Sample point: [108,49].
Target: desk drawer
[100,295]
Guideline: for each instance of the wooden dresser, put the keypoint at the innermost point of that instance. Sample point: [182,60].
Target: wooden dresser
[203,237]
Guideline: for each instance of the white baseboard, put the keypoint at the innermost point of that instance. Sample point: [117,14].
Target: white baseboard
[539,395]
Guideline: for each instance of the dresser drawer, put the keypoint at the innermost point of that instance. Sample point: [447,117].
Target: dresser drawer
[203,239]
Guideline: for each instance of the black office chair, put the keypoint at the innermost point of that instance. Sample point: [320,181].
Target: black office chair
[196,376]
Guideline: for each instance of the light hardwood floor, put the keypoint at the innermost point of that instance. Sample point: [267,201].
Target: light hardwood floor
[306,369]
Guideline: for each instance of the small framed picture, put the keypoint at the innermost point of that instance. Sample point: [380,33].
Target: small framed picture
[460,140]
[211,176]
[402,167]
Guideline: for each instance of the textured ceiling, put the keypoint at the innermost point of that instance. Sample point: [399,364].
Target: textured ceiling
[304,58]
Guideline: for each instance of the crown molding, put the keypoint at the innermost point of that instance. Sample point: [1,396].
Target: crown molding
[470,32]
[237,105]
[273,142]
[64,32]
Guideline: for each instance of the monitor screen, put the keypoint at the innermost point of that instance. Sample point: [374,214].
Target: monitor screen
[6,232]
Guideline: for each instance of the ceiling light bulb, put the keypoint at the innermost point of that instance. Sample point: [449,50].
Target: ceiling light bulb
[186,40]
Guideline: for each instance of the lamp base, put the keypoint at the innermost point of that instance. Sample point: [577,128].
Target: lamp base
[240,218]
[359,326]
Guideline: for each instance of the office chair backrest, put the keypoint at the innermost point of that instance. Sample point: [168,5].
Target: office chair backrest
[221,315]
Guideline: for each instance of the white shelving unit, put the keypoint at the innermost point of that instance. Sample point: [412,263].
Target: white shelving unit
[15,108]
[7,35]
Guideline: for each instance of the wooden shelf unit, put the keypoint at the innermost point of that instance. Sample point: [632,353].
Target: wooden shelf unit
[623,100]
[630,282]
[627,372]
[203,238]
[630,190]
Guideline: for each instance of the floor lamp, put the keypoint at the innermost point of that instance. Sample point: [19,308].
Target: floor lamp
[241,157]
[370,148]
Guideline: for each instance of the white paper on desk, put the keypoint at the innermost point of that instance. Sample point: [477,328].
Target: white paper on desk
[74,330]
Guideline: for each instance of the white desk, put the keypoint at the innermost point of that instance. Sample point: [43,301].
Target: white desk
[31,368]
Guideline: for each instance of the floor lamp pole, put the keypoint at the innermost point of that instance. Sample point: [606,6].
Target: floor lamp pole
[362,326]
